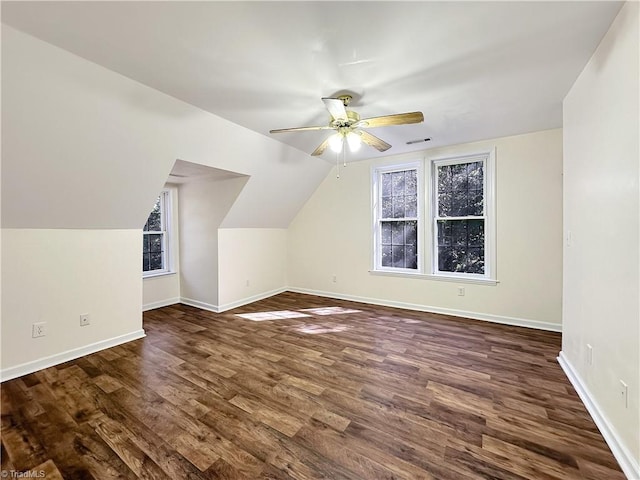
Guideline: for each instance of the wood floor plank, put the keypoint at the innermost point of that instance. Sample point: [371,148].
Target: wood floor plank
[316,389]
[329,443]
[46,470]
[118,437]
[22,446]
[161,453]
[430,459]
[528,462]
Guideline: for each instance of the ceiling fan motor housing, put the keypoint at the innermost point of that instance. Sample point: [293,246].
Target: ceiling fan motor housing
[346,99]
[347,123]
[352,117]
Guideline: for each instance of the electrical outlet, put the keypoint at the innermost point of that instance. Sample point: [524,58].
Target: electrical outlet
[85,320]
[589,355]
[38,330]
[334,278]
[461,291]
[624,394]
[248,283]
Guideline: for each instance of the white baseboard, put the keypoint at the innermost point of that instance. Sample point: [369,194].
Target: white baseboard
[248,300]
[46,362]
[513,321]
[228,306]
[198,304]
[627,463]
[161,303]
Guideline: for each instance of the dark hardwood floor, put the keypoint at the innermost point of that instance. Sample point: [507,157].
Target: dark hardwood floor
[376,393]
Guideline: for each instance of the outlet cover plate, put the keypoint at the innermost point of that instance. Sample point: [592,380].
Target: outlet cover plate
[38,330]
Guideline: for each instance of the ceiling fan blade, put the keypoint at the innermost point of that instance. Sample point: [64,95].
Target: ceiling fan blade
[300,129]
[336,108]
[321,148]
[374,141]
[386,120]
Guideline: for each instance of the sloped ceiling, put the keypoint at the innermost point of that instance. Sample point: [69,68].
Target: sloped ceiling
[86,148]
[187,172]
[476,69]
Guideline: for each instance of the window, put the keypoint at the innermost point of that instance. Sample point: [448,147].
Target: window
[155,238]
[462,217]
[397,200]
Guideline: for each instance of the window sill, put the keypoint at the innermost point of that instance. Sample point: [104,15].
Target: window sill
[440,278]
[158,274]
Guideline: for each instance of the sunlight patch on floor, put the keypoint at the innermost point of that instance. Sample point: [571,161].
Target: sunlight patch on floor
[315,329]
[279,315]
[329,310]
[305,312]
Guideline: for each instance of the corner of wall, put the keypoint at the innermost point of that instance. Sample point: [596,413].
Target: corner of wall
[625,458]
[601,254]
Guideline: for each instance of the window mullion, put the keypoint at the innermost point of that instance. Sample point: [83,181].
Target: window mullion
[470,217]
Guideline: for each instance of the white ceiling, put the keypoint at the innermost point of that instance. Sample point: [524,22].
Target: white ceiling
[186,172]
[476,69]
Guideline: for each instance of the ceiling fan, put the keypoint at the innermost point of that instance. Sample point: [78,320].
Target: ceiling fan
[350,127]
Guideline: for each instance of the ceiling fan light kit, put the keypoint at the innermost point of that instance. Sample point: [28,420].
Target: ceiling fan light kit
[350,127]
[335,142]
[354,140]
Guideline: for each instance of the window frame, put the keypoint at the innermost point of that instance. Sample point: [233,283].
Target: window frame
[489,215]
[165,231]
[376,199]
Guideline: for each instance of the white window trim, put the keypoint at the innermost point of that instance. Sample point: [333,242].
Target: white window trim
[165,223]
[430,276]
[157,273]
[426,240]
[489,276]
[376,172]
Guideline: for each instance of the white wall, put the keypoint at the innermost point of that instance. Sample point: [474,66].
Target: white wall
[54,276]
[203,207]
[161,290]
[223,268]
[87,150]
[106,144]
[332,235]
[252,264]
[601,268]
